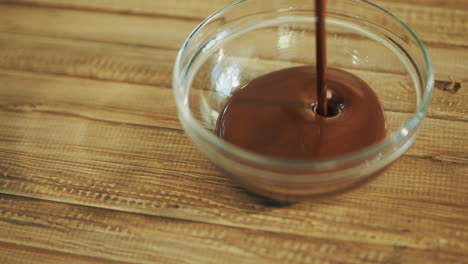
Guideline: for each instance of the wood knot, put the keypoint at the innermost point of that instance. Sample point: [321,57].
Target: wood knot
[448,86]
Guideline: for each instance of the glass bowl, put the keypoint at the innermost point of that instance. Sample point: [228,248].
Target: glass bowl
[254,37]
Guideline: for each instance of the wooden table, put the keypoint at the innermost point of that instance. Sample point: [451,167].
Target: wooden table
[94,166]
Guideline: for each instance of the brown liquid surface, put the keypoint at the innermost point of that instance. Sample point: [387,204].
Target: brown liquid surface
[274,115]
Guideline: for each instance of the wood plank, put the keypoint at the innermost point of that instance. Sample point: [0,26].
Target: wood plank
[183,8]
[191,9]
[55,151]
[460,4]
[51,231]
[448,61]
[142,31]
[435,26]
[152,106]
[13,253]
[88,60]
[153,67]
[111,102]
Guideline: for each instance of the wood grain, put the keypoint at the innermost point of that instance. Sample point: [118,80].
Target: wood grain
[80,234]
[104,27]
[197,10]
[431,24]
[84,27]
[14,253]
[151,67]
[94,166]
[138,167]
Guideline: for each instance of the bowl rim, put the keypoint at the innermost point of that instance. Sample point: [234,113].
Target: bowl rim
[405,131]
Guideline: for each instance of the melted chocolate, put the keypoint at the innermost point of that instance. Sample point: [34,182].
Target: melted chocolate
[275,115]
[321,54]
[307,113]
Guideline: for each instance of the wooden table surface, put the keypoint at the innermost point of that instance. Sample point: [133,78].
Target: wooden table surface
[94,166]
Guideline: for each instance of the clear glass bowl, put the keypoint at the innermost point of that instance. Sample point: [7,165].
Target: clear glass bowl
[253,37]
